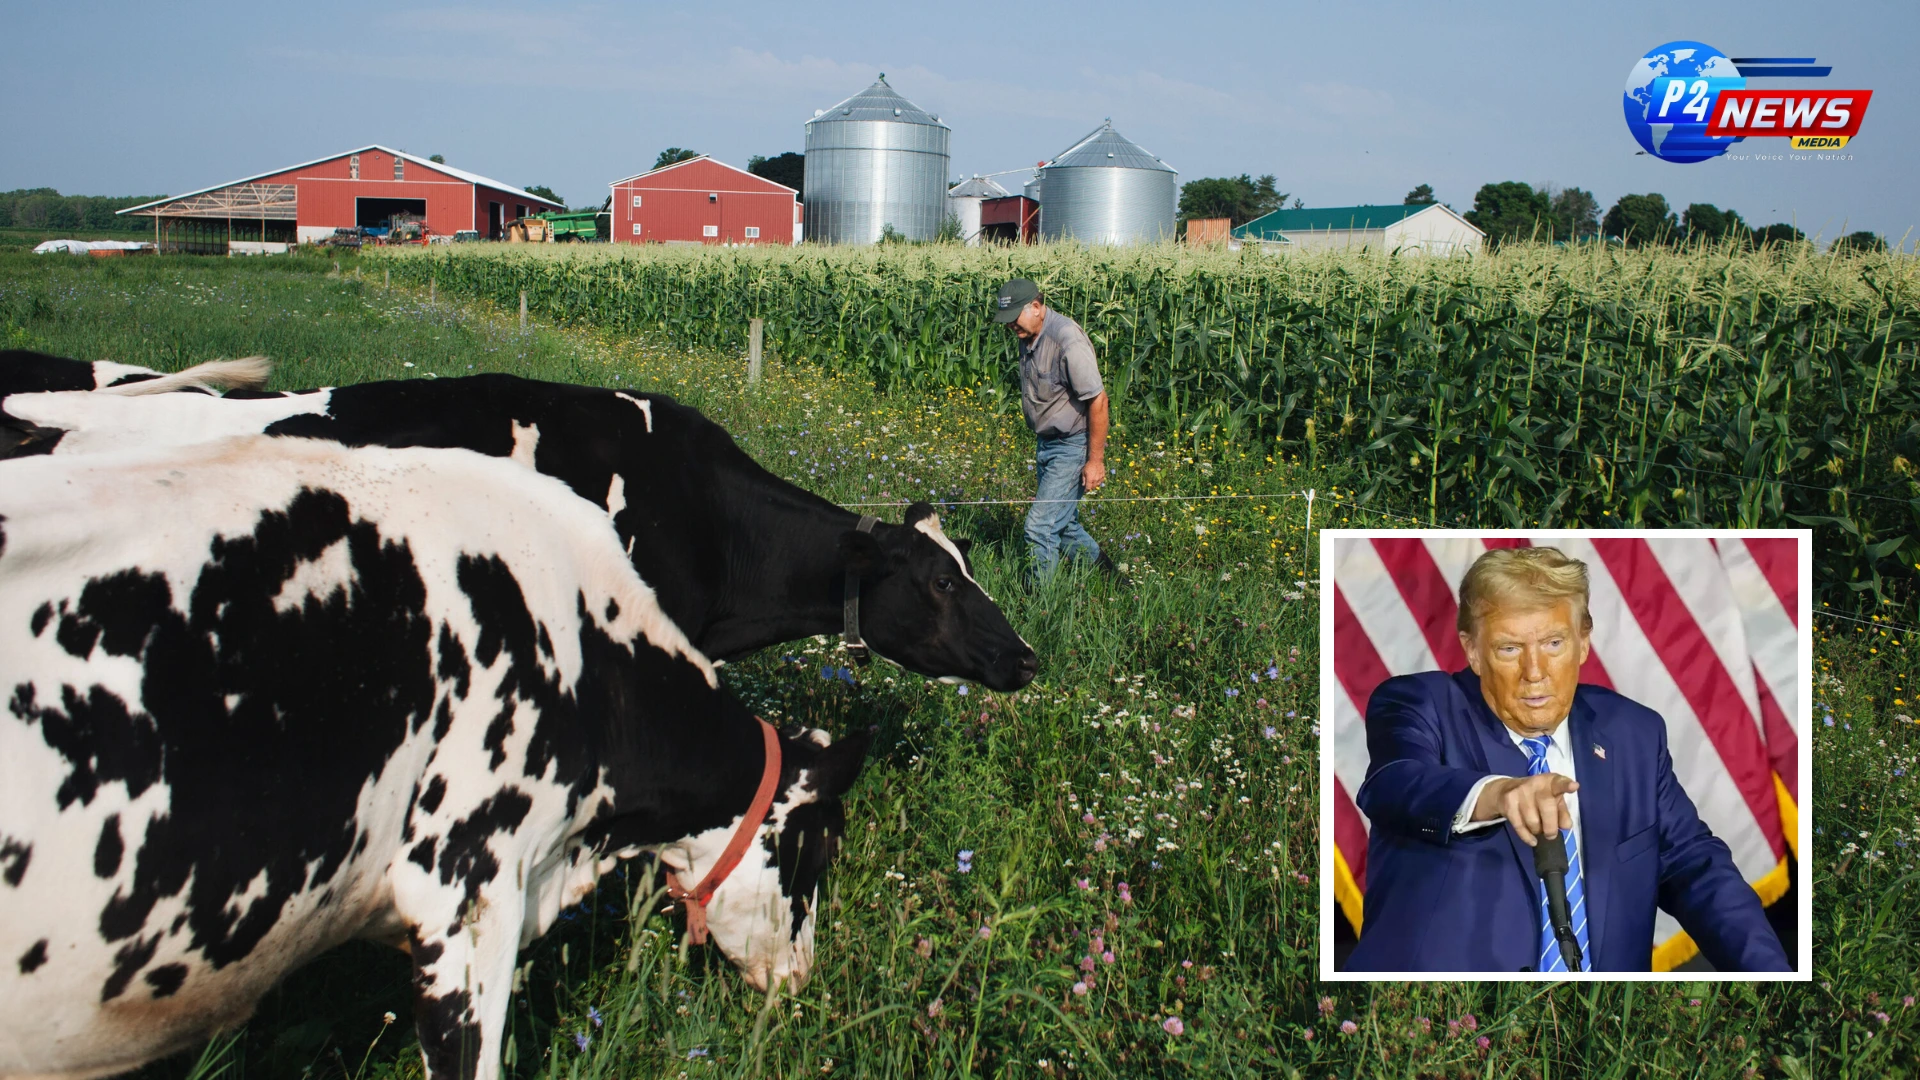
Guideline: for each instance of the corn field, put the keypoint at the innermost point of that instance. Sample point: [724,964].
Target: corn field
[1587,386]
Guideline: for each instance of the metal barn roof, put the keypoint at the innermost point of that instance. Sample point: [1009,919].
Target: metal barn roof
[1107,148]
[459,174]
[878,102]
[1325,218]
[978,187]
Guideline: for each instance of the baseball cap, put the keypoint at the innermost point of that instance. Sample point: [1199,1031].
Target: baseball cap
[1014,296]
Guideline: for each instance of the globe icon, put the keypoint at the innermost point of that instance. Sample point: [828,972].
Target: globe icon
[1687,141]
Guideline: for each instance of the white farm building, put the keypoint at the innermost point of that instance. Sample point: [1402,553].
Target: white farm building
[1429,228]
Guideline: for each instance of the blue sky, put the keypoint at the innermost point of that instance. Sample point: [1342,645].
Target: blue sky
[1344,103]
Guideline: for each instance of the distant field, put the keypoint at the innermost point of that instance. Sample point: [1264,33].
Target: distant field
[1180,714]
[1590,385]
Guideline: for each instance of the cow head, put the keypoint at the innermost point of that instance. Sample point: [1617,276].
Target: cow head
[921,608]
[762,915]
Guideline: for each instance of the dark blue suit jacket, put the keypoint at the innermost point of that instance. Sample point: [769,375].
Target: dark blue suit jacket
[1437,901]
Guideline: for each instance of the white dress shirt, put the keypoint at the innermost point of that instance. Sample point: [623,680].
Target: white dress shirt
[1559,760]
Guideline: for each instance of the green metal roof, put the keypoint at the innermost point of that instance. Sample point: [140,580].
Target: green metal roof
[1320,219]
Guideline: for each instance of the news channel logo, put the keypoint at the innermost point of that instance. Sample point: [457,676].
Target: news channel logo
[1687,102]
[1669,99]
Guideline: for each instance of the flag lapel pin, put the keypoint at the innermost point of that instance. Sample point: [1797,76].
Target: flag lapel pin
[1599,751]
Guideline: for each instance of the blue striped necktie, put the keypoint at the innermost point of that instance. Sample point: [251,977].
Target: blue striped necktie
[1550,958]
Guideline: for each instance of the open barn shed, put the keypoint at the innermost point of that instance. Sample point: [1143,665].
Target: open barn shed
[305,202]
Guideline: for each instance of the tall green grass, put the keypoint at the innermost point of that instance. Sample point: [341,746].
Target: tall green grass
[1587,385]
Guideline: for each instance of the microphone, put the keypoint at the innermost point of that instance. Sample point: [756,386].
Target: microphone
[1550,862]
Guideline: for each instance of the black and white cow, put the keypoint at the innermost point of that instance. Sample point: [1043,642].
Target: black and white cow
[266,695]
[25,372]
[741,559]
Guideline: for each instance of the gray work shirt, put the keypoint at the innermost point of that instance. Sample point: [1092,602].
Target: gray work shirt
[1059,377]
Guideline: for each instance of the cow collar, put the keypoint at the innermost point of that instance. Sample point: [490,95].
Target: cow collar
[696,898]
[850,608]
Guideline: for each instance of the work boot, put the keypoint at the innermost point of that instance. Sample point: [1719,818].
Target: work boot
[1105,565]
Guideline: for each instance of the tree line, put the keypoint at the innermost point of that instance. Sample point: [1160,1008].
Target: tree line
[45,208]
[1515,211]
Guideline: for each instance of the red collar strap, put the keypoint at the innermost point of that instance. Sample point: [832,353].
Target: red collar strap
[696,899]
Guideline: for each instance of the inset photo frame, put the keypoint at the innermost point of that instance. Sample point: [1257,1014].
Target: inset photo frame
[1565,754]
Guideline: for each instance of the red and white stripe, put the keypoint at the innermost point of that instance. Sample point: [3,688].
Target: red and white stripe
[1703,630]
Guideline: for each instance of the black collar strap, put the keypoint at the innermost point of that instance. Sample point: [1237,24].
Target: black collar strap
[850,609]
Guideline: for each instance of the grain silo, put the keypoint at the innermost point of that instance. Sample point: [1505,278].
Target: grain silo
[1105,189]
[963,204]
[874,160]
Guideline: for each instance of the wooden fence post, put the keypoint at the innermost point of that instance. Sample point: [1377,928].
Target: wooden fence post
[523,309]
[386,279]
[756,336]
[433,289]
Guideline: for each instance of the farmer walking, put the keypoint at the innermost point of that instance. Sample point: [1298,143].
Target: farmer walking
[1066,405]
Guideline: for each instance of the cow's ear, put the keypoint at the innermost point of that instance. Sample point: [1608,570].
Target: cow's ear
[920,511]
[860,553]
[839,765]
[965,545]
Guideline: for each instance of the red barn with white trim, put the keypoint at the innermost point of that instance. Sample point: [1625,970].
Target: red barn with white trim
[703,201]
[360,187]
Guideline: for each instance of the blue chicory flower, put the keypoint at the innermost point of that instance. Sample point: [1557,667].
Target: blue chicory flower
[580,1040]
[1233,692]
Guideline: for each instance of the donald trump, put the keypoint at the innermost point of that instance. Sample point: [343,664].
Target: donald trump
[1468,772]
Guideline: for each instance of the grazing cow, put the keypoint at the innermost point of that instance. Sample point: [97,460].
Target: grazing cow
[26,372]
[266,695]
[23,372]
[741,559]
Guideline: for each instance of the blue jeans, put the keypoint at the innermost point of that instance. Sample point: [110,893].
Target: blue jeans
[1053,525]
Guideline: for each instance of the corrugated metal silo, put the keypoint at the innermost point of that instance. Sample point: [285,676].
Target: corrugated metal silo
[1105,189]
[963,202]
[876,159]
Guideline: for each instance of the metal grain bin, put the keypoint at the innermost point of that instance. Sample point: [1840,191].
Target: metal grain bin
[1105,189]
[875,160]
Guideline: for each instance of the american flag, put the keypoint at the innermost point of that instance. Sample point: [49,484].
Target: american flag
[1703,628]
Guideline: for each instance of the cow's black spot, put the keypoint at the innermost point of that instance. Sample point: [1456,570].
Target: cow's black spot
[100,739]
[436,790]
[41,616]
[449,1034]
[76,636]
[334,725]
[453,662]
[31,960]
[442,719]
[546,642]
[422,853]
[14,856]
[166,979]
[118,611]
[106,853]
[613,610]
[497,733]
[464,857]
[127,963]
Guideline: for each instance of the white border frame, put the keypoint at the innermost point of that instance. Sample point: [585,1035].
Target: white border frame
[1329,687]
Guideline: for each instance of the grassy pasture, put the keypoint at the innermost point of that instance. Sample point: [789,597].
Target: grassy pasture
[1178,715]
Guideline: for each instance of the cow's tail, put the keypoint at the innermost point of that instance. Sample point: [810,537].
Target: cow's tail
[247,373]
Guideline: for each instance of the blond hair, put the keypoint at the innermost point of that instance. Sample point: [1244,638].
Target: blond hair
[1525,578]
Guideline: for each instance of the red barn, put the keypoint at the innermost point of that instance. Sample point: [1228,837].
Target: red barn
[703,201]
[367,187]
